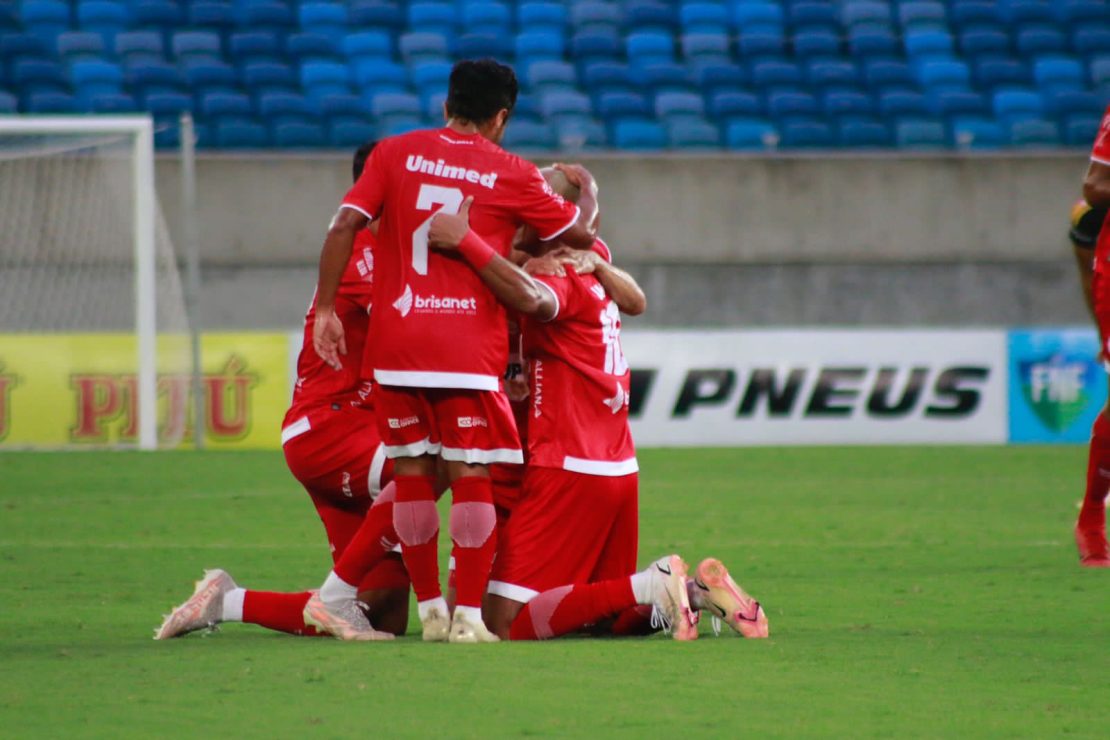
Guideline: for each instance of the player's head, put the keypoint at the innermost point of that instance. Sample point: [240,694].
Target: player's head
[361,155]
[482,92]
[559,183]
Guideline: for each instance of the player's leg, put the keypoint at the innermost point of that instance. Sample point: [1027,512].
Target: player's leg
[384,592]
[1090,529]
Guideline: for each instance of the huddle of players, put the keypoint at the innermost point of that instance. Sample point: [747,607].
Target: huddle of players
[391,411]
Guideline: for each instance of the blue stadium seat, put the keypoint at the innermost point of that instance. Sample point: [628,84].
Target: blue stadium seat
[1082,12]
[622,104]
[816,43]
[747,15]
[337,104]
[439,17]
[102,16]
[823,73]
[44,13]
[1100,71]
[1058,72]
[679,103]
[692,133]
[303,45]
[152,74]
[38,71]
[164,14]
[268,75]
[978,133]
[948,73]
[901,103]
[240,133]
[540,45]
[422,45]
[367,44]
[929,43]
[348,132]
[1034,133]
[806,133]
[649,14]
[855,12]
[715,77]
[322,73]
[977,41]
[913,14]
[945,103]
[14,45]
[1081,130]
[661,76]
[487,16]
[862,133]
[298,134]
[565,102]
[787,103]
[697,45]
[1067,102]
[587,14]
[992,73]
[591,45]
[139,42]
[541,15]
[808,13]
[186,43]
[767,74]
[8,102]
[576,134]
[974,12]
[530,135]
[550,74]
[432,104]
[393,104]
[50,102]
[74,44]
[885,73]
[704,16]
[872,41]
[253,45]
[376,14]
[639,135]
[751,135]
[846,102]
[87,73]
[650,45]
[208,14]
[1027,11]
[430,75]
[731,104]
[201,72]
[399,126]
[480,45]
[1091,40]
[225,104]
[323,17]
[1034,40]
[1017,104]
[107,102]
[920,134]
[762,41]
[263,15]
[608,75]
[273,104]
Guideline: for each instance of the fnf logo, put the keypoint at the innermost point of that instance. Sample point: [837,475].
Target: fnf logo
[105,401]
[1058,387]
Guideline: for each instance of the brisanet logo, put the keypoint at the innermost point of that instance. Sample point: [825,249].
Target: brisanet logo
[1057,385]
[434,304]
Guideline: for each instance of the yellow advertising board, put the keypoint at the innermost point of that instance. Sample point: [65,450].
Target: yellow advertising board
[79,390]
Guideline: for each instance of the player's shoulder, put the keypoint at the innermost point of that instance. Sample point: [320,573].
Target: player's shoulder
[602,250]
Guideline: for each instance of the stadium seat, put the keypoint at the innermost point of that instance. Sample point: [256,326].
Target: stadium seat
[974,12]
[422,45]
[776,73]
[595,15]
[709,17]
[51,102]
[44,13]
[679,103]
[301,46]
[945,103]
[1036,40]
[846,102]
[823,73]
[430,75]
[640,135]
[993,73]
[1093,40]
[701,45]
[762,42]
[649,14]
[273,104]
[1014,104]
[263,15]
[950,73]
[715,77]
[376,14]
[609,75]
[563,102]
[863,133]
[95,74]
[541,15]
[26,72]
[225,104]
[731,104]
[323,17]
[107,102]
[480,45]
[8,102]
[785,103]
[746,15]
[751,134]
[692,133]
[549,74]
[1026,11]
[919,134]
[913,14]
[1080,131]
[813,14]
[206,72]
[1067,102]
[440,17]
[487,16]
[978,133]
[268,75]
[530,135]
[978,41]
[163,104]
[595,45]
[805,133]
[367,44]
[1034,133]
[348,132]
[1082,12]
[886,73]
[145,73]
[163,14]
[394,104]
[195,43]
[650,45]
[219,16]
[253,45]
[816,43]
[663,76]
[860,11]
[893,104]
[75,44]
[1100,71]
[324,73]
[615,105]
[538,45]
[139,42]
[929,43]
[240,133]
[332,103]
[576,134]
[871,41]
[1058,72]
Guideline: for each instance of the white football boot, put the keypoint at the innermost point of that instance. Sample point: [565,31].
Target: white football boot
[203,610]
[671,599]
[465,630]
[343,619]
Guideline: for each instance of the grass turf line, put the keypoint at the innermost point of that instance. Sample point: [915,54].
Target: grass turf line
[911,592]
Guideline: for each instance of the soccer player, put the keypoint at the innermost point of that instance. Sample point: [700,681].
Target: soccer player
[1090,529]
[332,447]
[567,556]
[438,332]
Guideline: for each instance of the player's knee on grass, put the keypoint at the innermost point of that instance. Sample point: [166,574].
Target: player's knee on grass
[498,613]
[387,609]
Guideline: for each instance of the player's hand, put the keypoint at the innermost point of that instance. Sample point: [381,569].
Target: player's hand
[448,230]
[584,261]
[546,265]
[328,339]
[578,176]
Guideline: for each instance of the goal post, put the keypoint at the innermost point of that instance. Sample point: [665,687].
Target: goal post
[70,173]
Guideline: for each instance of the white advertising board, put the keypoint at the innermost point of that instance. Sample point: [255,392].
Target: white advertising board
[722,388]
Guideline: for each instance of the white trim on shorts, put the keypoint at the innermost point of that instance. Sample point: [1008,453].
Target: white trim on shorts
[416,449]
[374,476]
[296,429]
[430,379]
[511,591]
[483,457]
[572,222]
[611,469]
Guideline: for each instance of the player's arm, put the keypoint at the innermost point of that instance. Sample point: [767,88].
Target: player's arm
[327,333]
[1086,223]
[1096,188]
[621,287]
[511,285]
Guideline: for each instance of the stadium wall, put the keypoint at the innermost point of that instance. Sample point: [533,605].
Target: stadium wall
[716,240]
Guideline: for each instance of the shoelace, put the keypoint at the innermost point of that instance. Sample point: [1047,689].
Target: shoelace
[716,622]
[659,620]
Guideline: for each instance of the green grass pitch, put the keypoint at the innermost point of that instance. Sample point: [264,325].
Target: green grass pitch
[929,592]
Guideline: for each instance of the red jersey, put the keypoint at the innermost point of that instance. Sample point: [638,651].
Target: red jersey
[437,325]
[580,382]
[317,384]
[1100,153]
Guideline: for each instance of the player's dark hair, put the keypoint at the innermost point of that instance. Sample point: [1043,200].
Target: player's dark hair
[479,88]
[361,155]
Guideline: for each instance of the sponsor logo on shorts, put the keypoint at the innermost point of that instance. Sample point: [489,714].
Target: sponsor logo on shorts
[468,422]
[407,421]
[347,485]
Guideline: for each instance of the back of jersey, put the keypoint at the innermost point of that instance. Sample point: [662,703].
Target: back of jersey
[435,324]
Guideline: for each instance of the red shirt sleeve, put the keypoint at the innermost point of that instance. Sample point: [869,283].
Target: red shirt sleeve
[367,194]
[539,207]
[563,288]
[1101,151]
[601,249]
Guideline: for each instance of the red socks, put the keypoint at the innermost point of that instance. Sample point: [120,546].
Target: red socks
[474,534]
[570,608]
[1092,516]
[278,611]
[374,538]
[416,521]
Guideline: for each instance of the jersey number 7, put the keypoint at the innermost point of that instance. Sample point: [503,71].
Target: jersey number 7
[427,199]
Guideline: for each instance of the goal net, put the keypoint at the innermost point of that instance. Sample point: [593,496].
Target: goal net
[94,340]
